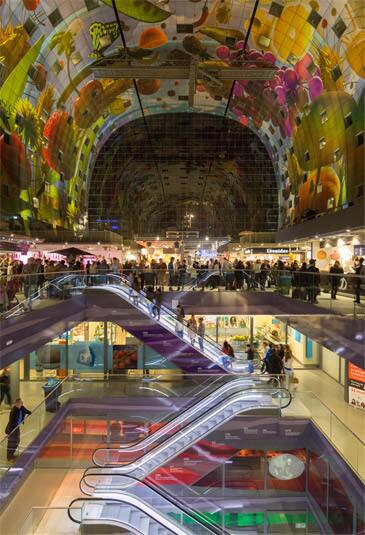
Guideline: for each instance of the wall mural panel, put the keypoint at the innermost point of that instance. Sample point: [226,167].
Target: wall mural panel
[54,117]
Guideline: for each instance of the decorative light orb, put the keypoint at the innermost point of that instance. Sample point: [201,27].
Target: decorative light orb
[286,467]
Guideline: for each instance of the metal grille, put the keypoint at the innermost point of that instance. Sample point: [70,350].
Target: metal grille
[214,170]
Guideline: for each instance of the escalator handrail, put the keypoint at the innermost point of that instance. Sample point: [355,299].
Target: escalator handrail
[162,493]
[133,501]
[181,416]
[208,342]
[230,399]
[164,308]
[35,296]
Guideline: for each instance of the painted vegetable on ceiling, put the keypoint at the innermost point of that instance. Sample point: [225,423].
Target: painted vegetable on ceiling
[141,10]
[14,164]
[95,97]
[59,152]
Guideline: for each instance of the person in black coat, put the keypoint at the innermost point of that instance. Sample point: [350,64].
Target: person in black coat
[5,387]
[335,278]
[16,418]
[313,281]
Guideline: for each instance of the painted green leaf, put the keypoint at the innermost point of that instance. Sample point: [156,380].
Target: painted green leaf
[13,87]
[141,10]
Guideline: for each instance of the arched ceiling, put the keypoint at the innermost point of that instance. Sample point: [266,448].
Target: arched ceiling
[189,171]
[310,115]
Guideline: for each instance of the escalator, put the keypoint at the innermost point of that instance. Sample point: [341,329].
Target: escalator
[144,509]
[167,335]
[256,400]
[117,456]
[201,280]
[121,498]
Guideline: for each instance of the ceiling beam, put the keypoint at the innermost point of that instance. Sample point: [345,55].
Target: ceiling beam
[117,70]
[192,81]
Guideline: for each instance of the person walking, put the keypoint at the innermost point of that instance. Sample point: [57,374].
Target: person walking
[180,315]
[158,304]
[336,271]
[358,269]
[267,349]
[5,387]
[16,418]
[288,365]
[171,271]
[250,356]
[201,333]
[275,365]
[193,326]
[313,282]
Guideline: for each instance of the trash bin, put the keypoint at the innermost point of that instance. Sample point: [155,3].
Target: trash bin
[284,284]
[52,390]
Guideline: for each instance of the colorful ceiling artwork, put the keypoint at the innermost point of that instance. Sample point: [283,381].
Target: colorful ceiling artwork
[55,116]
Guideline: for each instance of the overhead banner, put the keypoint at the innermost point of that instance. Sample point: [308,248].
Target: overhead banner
[356,386]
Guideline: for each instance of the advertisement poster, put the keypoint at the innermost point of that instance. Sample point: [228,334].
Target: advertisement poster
[125,357]
[85,356]
[356,385]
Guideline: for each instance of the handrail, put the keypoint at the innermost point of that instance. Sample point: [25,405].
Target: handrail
[299,392]
[174,318]
[180,419]
[163,308]
[163,494]
[37,408]
[198,421]
[139,504]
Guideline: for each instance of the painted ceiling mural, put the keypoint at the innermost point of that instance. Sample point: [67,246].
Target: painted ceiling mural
[54,117]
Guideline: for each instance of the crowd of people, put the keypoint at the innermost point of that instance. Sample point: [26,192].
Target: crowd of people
[304,280]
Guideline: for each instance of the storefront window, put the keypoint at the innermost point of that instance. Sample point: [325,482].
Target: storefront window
[86,347]
[49,360]
[123,350]
[268,328]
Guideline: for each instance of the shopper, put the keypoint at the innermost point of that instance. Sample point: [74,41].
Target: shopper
[201,333]
[228,358]
[288,365]
[193,327]
[5,386]
[336,271]
[16,418]
[158,303]
[180,315]
[171,271]
[267,348]
[275,365]
[313,282]
[359,270]
[250,356]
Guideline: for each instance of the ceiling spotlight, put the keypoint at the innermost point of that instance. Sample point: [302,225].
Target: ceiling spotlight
[316,236]
[206,238]
[348,230]
[158,238]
